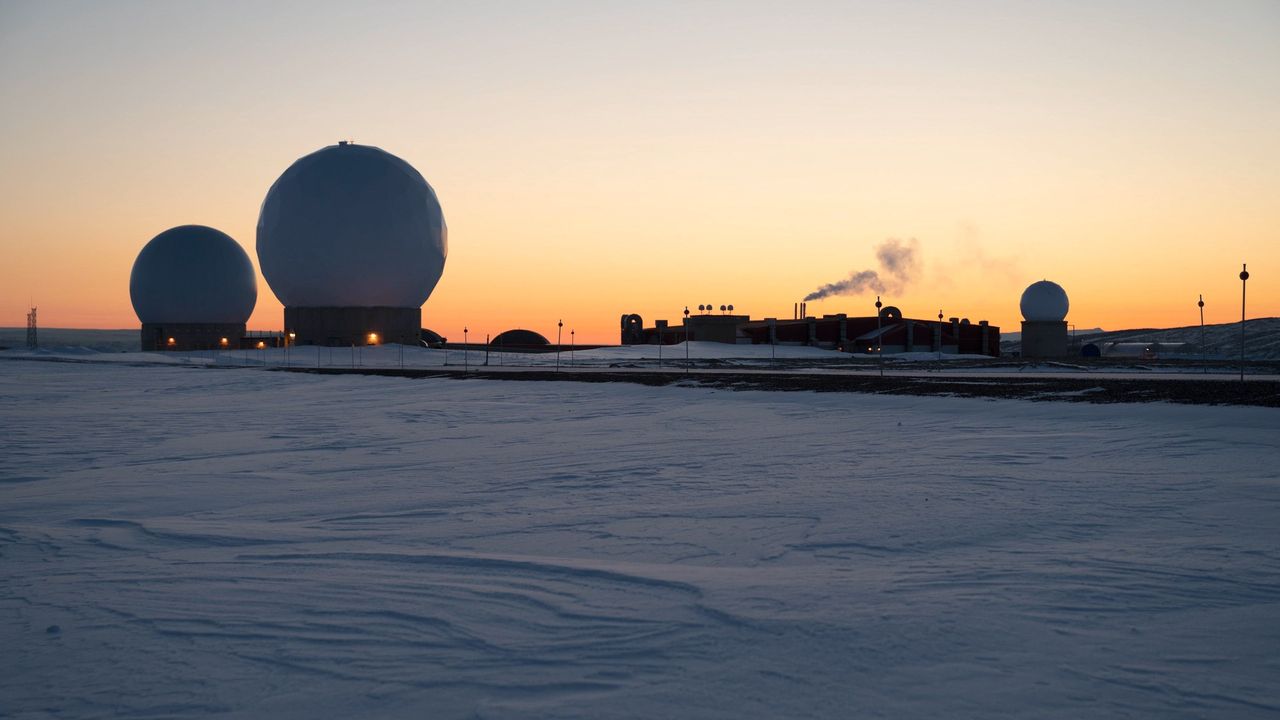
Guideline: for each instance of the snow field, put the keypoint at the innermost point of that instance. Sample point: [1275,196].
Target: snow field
[220,541]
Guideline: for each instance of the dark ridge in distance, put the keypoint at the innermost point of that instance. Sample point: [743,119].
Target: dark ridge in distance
[1190,391]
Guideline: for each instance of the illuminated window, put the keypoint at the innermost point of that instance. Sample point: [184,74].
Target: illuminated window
[261,345]
[373,338]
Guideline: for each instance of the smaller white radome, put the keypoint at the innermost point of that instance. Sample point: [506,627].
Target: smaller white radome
[193,274]
[1044,301]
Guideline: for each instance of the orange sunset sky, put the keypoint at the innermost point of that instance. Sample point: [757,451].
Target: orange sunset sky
[596,158]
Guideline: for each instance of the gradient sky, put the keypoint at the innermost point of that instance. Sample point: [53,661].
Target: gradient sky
[596,158]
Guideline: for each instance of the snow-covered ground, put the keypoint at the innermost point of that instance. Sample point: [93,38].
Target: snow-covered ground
[183,541]
[705,355]
[387,356]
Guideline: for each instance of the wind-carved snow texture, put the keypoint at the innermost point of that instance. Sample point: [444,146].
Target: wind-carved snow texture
[183,541]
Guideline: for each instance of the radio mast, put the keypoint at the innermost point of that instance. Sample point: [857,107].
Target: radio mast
[32,340]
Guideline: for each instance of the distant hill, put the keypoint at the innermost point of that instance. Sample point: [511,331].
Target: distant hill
[1261,338]
[100,340]
[1017,336]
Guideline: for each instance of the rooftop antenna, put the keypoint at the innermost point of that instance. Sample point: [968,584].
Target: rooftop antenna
[33,341]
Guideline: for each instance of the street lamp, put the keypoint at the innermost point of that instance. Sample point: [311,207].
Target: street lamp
[686,339]
[559,328]
[1244,279]
[466,351]
[939,335]
[879,340]
[1204,352]
[572,341]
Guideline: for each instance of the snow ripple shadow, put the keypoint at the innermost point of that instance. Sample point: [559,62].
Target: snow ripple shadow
[500,626]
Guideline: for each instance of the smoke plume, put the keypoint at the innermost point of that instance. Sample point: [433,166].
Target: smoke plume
[855,284]
[898,264]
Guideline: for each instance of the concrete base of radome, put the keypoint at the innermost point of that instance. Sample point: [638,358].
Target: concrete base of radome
[342,326]
[191,336]
[1044,339]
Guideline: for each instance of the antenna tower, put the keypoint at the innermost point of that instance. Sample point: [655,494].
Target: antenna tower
[32,341]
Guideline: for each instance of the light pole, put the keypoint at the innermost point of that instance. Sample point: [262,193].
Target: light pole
[559,329]
[466,352]
[1204,352]
[773,344]
[939,336]
[879,340]
[573,341]
[686,339]
[1244,279]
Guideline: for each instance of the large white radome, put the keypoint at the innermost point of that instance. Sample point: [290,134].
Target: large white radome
[1044,301]
[193,274]
[352,226]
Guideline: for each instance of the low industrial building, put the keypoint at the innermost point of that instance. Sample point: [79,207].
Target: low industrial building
[1144,350]
[891,332]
